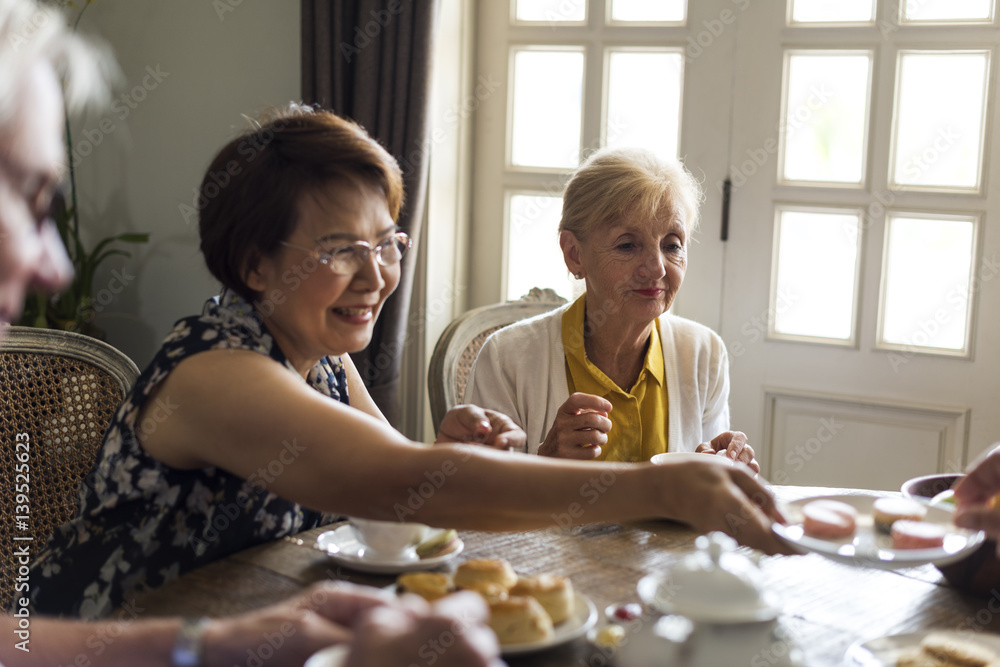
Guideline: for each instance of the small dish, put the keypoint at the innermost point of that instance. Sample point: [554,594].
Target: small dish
[583,619]
[867,548]
[344,549]
[333,656]
[928,486]
[885,651]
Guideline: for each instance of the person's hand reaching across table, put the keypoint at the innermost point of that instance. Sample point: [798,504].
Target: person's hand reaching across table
[733,445]
[976,495]
[471,423]
[727,498]
[450,632]
[580,428]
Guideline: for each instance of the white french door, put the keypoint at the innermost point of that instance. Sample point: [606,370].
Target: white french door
[857,291]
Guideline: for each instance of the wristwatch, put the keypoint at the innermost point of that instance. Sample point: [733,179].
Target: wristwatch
[187,648]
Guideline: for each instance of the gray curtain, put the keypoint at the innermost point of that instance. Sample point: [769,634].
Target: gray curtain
[370,60]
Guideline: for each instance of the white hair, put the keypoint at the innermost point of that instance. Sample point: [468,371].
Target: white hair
[31,32]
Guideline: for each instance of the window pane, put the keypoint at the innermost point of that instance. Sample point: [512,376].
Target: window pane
[927,281]
[939,119]
[825,117]
[644,100]
[947,10]
[833,11]
[817,259]
[551,10]
[534,256]
[548,100]
[663,11]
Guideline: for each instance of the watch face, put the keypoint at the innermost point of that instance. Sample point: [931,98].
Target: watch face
[187,648]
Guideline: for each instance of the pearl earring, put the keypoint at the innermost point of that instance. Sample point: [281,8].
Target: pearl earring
[578,275]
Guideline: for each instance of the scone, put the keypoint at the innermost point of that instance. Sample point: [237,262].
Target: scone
[553,592]
[520,620]
[490,590]
[955,651]
[428,585]
[495,570]
[886,511]
[914,657]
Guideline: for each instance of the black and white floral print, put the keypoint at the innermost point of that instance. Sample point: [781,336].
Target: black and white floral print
[142,523]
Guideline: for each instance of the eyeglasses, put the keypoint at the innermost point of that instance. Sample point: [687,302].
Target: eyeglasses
[348,259]
[38,189]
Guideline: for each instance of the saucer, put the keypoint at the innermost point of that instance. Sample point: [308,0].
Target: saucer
[344,549]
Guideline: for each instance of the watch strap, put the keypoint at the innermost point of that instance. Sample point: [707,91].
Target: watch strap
[188,647]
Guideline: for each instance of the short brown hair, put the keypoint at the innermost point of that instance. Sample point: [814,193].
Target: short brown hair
[249,199]
[616,181]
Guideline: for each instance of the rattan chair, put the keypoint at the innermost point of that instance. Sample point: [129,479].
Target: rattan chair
[459,345]
[58,392]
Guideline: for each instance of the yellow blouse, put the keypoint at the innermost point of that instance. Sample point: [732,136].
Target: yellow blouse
[639,416]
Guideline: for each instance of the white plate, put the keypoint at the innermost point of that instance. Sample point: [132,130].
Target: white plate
[344,549]
[335,656]
[583,619]
[884,651]
[868,548]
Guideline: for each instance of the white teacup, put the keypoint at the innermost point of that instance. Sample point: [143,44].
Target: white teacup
[678,457]
[388,539]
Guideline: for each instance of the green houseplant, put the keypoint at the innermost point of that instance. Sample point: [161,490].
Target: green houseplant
[74,309]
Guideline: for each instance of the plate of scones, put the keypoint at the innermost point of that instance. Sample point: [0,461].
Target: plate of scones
[527,612]
[875,530]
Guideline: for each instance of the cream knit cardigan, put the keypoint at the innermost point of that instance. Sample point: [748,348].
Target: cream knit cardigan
[521,371]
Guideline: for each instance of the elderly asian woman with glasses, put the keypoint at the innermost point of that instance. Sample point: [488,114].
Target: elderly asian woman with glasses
[240,431]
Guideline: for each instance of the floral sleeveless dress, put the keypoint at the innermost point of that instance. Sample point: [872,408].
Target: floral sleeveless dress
[141,523]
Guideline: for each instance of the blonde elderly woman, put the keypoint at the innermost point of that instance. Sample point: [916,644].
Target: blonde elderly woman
[613,376]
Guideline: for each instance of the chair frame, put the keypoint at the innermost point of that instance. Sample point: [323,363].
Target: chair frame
[75,346]
[463,331]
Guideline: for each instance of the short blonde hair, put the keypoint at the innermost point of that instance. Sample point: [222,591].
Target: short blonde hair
[31,32]
[634,181]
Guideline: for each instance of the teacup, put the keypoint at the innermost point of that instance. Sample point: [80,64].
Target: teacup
[388,539]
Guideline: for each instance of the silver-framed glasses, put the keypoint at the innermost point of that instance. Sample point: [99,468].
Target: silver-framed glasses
[347,259]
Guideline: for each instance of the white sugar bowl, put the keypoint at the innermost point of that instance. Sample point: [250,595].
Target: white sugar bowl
[710,608]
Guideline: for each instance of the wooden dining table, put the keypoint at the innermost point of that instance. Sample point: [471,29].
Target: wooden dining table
[826,605]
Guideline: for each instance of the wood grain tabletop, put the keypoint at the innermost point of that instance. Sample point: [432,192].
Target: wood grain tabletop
[826,605]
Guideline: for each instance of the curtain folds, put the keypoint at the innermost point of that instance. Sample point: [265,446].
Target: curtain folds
[370,60]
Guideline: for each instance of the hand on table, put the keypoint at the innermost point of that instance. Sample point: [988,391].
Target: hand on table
[710,495]
[732,444]
[471,423]
[580,428]
[449,633]
[293,630]
[975,495]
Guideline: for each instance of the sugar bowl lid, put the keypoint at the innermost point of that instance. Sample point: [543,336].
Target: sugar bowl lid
[714,584]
